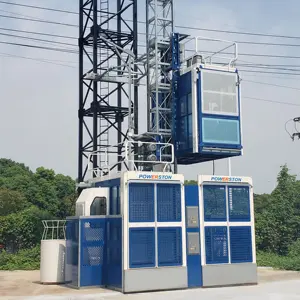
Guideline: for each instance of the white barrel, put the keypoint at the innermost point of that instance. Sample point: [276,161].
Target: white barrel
[52,268]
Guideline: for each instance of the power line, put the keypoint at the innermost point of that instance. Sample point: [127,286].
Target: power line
[267,68]
[267,72]
[40,47]
[178,26]
[271,101]
[39,33]
[39,7]
[39,21]
[239,32]
[36,39]
[272,84]
[253,43]
[52,62]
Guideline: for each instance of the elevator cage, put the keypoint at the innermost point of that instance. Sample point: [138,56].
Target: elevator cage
[139,243]
[207,114]
[227,233]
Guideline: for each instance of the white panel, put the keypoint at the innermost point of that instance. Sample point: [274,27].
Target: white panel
[87,196]
[124,200]
[195,110]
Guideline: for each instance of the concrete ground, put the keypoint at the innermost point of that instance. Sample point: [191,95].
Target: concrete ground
[273,284]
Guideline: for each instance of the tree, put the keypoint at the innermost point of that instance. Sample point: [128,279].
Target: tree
[24,229]
[11,202]
[277,225]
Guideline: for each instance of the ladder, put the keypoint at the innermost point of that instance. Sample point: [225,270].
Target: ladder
[104,88]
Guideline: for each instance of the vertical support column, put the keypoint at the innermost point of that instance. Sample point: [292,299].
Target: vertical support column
[80,110]
[119,93]
[95,85]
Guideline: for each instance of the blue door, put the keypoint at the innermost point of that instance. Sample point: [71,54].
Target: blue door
[193,236]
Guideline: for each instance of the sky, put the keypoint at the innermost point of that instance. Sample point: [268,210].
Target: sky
[39,99]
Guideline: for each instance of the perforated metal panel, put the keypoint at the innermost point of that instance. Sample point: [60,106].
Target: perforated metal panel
[141,202]
[216,245]
[72,250]
[92,254]
[192,217]
[214,198]
[241,244]
[168,202]
[193,241]
[141,247]
[239,203]
[169,246]
[114,252]
[93,231]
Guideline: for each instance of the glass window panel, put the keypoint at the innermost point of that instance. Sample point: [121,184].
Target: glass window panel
[98,206]
[222,82]
[216,103]
[220,131]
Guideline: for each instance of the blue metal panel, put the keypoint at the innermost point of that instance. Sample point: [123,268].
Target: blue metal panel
[169,246]
[216,245]
[184,142]
[194,267]
[214,199]
[168,202]
[72,248]
[92,255]
[109,183]
[113,277]
[239,203]
[141,202]
[240,244]
[141,247]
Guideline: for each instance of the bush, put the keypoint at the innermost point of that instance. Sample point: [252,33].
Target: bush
[294,249]
[266,259]
[28,259]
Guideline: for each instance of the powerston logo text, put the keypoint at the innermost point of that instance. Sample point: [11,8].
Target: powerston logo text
[226,179]
[155,177]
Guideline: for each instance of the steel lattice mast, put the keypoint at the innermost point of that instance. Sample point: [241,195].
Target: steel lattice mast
[159,28]
[103,69]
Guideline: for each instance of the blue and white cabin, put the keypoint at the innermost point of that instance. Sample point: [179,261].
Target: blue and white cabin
[220,231]
[139,242]
[207,112]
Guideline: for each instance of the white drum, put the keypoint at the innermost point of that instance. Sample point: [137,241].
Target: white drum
[52,268]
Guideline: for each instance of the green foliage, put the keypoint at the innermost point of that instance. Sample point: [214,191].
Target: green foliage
[11,202]
[190,182]
[27,198]
[269,259]
[24,229]
[28,259]
[294,249]
[277,217]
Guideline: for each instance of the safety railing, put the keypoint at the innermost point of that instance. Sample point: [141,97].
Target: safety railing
[54,229]
[132,155]
[224,53]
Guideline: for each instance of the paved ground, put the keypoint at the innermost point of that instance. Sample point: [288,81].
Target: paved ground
[275,285]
